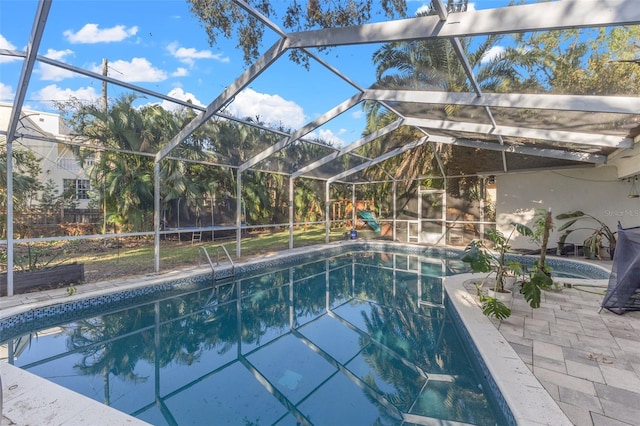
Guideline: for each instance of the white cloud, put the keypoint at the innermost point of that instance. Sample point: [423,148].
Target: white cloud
[54,93]
[188,55]
[137,70]
[180,72]
[425,8]
[179,93]
[357,114]
[6,93]
[326,135]
[271,109]
[5,44]
[90,34]
[58,55]
[51,73]
[492,53]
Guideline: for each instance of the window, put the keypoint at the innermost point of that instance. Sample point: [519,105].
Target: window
[72,165]
[79,187]
[67,163]
[82,189]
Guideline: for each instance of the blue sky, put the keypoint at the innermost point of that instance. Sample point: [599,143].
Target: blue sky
[161,46]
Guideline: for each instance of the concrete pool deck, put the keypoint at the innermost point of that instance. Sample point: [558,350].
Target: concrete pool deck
[564,363]
[587,361]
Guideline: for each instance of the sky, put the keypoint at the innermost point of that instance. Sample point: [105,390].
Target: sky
[161,46]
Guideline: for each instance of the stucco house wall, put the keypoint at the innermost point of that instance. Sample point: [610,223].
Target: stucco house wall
[57,162]
[595,191]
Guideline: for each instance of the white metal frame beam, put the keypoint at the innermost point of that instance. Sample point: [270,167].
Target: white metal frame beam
[511,19]
[30,57]
[608,104]
[516,149]
[377,160]
[349,148]
[309,127]
[557,136]
[227,95]
[42,12]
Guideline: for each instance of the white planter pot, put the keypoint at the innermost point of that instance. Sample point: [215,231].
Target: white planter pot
[503,297]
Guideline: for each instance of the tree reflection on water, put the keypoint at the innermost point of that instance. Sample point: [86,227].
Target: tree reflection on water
[409,359]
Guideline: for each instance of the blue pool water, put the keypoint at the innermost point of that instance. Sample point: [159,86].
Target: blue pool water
[358,338]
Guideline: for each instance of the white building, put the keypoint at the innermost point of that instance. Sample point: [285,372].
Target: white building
[38,131]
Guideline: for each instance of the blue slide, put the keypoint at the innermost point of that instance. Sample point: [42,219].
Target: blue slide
[370,218]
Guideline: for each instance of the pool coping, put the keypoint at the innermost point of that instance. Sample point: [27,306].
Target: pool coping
[32,400]
[528,401]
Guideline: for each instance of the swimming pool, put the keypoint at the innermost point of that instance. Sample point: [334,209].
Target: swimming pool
[389,347]
[357,338]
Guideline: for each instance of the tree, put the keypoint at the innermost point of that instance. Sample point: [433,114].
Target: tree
[25,184]
[224,17]
[123,175]
[579,61]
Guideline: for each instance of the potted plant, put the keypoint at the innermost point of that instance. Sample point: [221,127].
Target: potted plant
[482,259]
[594,243]
[515,270]
[494,262]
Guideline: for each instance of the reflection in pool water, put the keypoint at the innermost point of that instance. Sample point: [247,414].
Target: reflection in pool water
[360,338]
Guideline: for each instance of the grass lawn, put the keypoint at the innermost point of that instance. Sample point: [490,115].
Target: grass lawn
[134,256]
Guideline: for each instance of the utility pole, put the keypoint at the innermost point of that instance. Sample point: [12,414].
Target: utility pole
[104,85]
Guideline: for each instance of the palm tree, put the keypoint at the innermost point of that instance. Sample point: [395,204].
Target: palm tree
[124,178]
[25,171]
[430,65]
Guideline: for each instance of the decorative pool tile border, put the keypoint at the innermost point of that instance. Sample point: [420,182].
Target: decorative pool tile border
[60,313]
[480,365]
[568,265]
[312,254]
[565,264]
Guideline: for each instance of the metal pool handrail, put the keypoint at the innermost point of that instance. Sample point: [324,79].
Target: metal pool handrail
[213,271]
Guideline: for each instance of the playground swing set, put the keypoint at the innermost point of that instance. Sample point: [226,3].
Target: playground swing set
[365,217]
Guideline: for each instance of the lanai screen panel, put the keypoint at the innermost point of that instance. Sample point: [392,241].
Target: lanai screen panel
[571,121]
[462,160]
[228,142]
[385,144]
[443,113]
[336,166]
[357,177]
[568,147]
[517,162]
[294,156]
[355,63]
[278,94]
